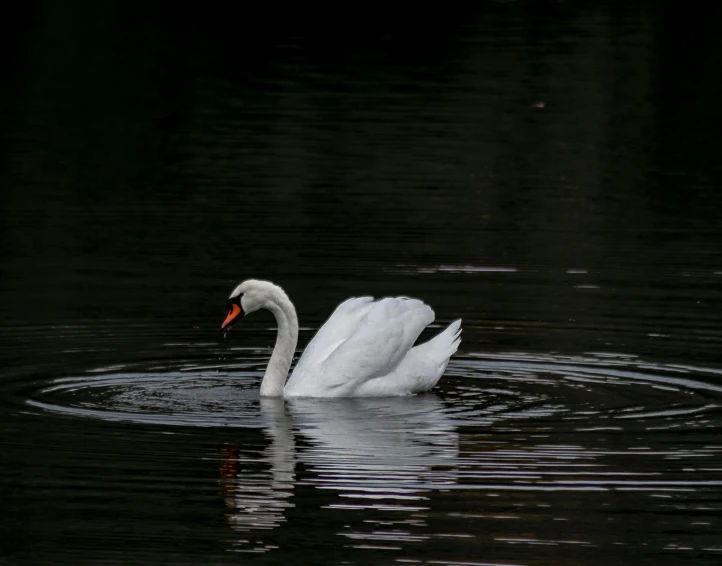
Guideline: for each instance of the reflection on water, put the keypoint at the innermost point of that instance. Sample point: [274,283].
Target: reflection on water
[508,438]
[378,449]
[509,444]
[382,454]
[393,457]
[256,499]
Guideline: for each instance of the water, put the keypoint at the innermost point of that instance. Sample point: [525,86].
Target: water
[548,173]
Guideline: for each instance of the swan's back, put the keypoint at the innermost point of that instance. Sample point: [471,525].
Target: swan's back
[336,330]
[365,342]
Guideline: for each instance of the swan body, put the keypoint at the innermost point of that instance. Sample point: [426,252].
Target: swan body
[365,348]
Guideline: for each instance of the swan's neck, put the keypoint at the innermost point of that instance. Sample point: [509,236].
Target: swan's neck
[287,321]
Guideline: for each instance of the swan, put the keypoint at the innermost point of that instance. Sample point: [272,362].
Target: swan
[365,348]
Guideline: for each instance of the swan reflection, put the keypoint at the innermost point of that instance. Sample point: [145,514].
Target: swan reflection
[256,498]
[392,449]
[381,453]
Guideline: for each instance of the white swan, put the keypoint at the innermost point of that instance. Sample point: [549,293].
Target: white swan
[365,349]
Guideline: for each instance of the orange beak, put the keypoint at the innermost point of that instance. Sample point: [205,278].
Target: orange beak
[234,314]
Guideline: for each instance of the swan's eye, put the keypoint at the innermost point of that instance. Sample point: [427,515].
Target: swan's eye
[234,301]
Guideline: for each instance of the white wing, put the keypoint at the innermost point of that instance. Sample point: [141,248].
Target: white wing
[362,340]
[335,331]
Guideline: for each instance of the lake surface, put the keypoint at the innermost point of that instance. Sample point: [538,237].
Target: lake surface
[551,174]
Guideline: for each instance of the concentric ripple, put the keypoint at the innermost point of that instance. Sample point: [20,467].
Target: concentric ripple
[506,443]
[591,392]
[188,396]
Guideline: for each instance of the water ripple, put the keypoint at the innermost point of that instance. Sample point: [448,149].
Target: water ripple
[509,431]
[591,393]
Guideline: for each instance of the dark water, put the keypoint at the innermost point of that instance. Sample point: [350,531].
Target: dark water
[550,173]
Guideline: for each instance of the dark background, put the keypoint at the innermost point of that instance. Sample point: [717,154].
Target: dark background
[549,171]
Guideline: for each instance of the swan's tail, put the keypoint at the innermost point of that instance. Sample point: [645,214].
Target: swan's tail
[447,342]
[424,364]
[433,356]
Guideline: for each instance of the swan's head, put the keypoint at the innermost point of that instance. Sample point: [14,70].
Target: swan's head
[250,296]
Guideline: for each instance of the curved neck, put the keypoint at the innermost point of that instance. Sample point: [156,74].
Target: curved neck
[286,339]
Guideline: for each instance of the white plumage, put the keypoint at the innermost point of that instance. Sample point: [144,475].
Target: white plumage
[365,348]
